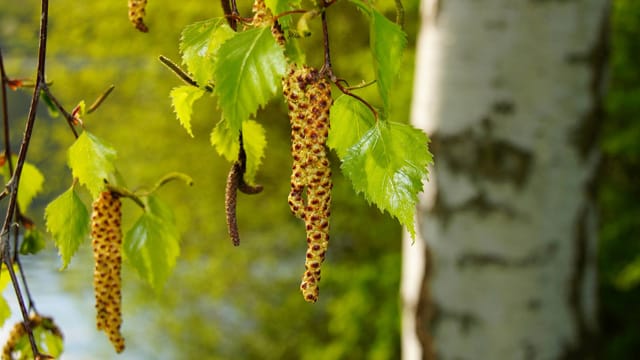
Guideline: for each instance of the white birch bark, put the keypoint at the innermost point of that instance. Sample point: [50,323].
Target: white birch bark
[505,266]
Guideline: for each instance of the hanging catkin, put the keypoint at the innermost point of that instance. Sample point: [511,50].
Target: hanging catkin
[106,235]
[308,95]
[136,14]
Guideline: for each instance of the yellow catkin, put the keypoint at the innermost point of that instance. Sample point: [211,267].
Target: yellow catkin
[106,240]
[308,95]
[136,14]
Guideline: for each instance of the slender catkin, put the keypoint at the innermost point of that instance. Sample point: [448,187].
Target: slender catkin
[308,95]
[136,14]
[106,235]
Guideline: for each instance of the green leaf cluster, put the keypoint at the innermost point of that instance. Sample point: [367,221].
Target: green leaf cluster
[244,69]
[386,161]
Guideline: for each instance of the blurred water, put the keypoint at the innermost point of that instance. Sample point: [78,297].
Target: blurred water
[67,296]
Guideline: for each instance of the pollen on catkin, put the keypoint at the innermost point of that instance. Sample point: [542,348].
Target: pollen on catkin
[106,240]
[136,14]
[308,96]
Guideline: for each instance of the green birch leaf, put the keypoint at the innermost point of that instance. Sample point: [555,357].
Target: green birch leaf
[152,244]
[388,165]
[91,162]
[255,141]
[31,182]
[350,119]
[247,74]
[67,219]
[224,141]
[5,310]
[227,145]
[199,44]
[387,41]
[182,99]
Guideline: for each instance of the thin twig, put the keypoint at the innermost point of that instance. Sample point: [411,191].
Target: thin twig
[5,115]
[327,68]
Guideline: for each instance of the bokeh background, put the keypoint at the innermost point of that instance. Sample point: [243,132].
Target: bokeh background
[224,302]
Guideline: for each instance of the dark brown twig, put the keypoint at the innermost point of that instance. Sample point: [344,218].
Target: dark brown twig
[15,178]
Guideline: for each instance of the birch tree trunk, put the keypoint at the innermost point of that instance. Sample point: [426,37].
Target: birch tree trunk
[510,92]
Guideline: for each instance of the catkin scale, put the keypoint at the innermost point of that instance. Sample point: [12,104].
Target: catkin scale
[106,241]
[308,96]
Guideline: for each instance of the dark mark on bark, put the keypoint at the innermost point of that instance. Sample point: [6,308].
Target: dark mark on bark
[537,257]
[466,321]
[585,345]
[479,204]
[585,135]
[482,157]
[504,107]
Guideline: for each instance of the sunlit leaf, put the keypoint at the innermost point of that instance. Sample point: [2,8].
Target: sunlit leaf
[5,310]
[91,162]
[67,219]
[31,182]
[152,244]
[182,99]
[224,141]
[387,41]
[388,165]
[199,43]
[247,74]
[255,141]
[227,145]
[350,119]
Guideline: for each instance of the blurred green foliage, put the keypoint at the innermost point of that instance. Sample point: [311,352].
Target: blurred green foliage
[222,302]
[619,190]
